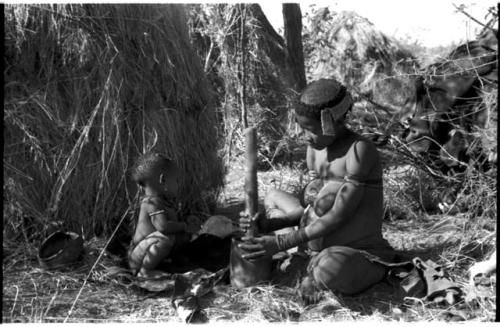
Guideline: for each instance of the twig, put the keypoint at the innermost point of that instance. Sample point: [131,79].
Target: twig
[472,18]
[52,300]
[99,258]
[15,301]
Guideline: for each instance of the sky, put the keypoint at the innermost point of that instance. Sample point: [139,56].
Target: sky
[430,22]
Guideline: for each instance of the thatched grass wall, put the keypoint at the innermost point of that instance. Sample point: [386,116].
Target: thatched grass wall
[88,88]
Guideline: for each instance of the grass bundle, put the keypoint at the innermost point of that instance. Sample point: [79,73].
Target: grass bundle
[89,88]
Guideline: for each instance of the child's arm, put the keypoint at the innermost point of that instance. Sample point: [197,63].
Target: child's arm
[164,221]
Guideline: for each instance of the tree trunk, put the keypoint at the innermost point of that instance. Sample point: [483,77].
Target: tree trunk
[292,19]
[286,53]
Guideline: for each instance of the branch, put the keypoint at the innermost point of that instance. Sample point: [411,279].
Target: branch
[462,10]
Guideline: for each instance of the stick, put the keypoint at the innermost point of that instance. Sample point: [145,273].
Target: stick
[462,10]
[251,195]
[100,256]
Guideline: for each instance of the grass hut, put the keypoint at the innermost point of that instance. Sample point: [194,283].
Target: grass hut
[349,48]
[89,88]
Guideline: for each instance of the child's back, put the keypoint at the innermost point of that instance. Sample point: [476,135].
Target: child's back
[151,205]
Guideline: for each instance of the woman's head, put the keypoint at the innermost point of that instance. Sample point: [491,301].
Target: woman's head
[321,111]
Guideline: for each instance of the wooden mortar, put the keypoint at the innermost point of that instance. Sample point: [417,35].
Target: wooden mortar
[245,272]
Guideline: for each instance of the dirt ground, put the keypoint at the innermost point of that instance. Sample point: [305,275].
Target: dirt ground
[32,294]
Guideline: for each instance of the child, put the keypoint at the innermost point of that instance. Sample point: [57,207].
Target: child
[158,229]
[318,198]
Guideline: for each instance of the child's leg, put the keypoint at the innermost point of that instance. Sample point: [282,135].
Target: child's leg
[149,252]
[157,252]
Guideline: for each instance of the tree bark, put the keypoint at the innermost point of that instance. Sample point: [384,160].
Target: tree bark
[292,22]
[286,54]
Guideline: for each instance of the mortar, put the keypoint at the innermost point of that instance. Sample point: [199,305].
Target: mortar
[245,272]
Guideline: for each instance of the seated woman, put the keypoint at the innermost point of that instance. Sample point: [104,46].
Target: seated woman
[343,226]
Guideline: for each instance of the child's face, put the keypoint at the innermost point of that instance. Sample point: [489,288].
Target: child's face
[169,182]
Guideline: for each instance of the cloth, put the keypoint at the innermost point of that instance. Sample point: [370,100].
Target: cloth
[428,281]
[334,113]
[186,289]
[351,271]
[345,270]
[420,279]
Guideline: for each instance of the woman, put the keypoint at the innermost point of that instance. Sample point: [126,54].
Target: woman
[343,227]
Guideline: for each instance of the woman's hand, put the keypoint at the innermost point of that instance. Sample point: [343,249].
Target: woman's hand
[260,221]
[258,247]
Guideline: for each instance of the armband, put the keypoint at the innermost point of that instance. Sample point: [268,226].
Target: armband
[289,240]
[359,181]
[353,181]
[312,174]
[156,213]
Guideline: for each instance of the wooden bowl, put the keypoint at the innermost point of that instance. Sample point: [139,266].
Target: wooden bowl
[60,249]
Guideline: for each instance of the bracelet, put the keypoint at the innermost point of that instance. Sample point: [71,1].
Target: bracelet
[312,174]
[289,240]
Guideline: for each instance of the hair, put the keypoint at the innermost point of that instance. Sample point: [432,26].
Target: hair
[148,165]
[318,95]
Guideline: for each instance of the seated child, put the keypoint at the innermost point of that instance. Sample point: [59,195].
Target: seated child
[318,198]
[158,229]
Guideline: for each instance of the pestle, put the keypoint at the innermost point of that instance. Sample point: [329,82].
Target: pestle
[243,272]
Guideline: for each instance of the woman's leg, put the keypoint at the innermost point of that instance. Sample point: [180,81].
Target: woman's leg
[283,211]
[283,207]
[344,269]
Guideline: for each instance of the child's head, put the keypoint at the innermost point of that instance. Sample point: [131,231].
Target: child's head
[321,111]
[156,171]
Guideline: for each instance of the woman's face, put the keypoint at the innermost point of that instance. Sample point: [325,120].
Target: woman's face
[313,132]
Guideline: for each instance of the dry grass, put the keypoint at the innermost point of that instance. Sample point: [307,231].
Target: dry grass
[88,88]
[454,241]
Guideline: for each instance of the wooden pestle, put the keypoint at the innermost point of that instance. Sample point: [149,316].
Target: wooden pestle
[251,187]
[245,272]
